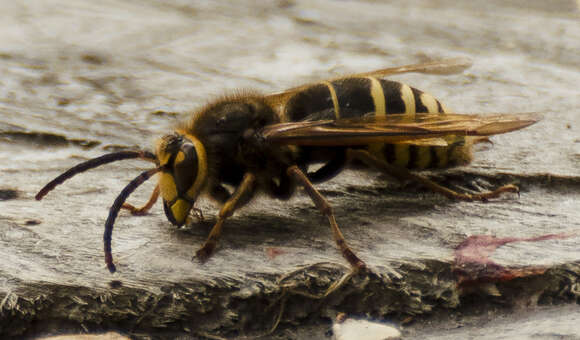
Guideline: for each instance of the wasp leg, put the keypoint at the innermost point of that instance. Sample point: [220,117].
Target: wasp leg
[325,208]
[404,174]
[198,215]
[241,196]
[219,194]
[330,169]
[144,209]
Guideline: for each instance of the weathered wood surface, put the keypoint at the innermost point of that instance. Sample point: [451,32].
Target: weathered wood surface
[81,78]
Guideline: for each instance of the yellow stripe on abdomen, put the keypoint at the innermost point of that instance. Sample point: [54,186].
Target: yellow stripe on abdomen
[378,96]
[390,97]
[380,105]
[423,157]
[409,100]
[334,98]
[443,159]
[429,102]
[402,151]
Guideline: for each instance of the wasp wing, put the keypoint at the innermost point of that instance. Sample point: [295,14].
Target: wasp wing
[441,67]
[434,141]
[420,129]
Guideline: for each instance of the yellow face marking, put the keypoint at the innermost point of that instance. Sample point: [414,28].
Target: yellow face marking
[179,158]
[180,210]
[167,187]
[429,102]
[334,98]
[409,99]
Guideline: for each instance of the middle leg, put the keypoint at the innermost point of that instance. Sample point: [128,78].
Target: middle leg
[325,208]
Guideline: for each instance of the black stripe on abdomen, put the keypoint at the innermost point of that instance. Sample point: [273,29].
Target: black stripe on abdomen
[316,99]
[354,96]
[393,100]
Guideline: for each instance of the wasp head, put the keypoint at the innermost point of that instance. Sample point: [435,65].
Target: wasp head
[183,167]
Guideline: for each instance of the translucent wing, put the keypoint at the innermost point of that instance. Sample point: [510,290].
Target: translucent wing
[420,129]
[443,66]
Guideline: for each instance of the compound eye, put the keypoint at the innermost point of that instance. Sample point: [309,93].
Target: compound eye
[177,181]
[181,158]
[185,168]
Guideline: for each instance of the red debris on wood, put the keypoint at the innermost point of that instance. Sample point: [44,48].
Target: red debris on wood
[473,265]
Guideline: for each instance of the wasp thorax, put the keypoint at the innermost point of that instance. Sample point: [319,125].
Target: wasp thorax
[180,157]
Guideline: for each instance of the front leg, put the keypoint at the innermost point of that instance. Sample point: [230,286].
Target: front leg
[144,209]
[243,194]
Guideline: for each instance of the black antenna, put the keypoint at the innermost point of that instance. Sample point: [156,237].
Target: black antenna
[134,184]
[93,163]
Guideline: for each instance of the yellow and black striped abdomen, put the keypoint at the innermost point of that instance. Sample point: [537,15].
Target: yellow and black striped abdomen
[358,96]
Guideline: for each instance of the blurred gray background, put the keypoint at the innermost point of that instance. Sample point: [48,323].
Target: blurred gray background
[81,78]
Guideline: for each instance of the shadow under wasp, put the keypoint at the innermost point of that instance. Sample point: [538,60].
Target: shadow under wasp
[267,143]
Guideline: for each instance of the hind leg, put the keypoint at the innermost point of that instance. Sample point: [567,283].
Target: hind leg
[404,174]
[325,208]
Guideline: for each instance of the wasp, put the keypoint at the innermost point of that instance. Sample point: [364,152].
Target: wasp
[245,144]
